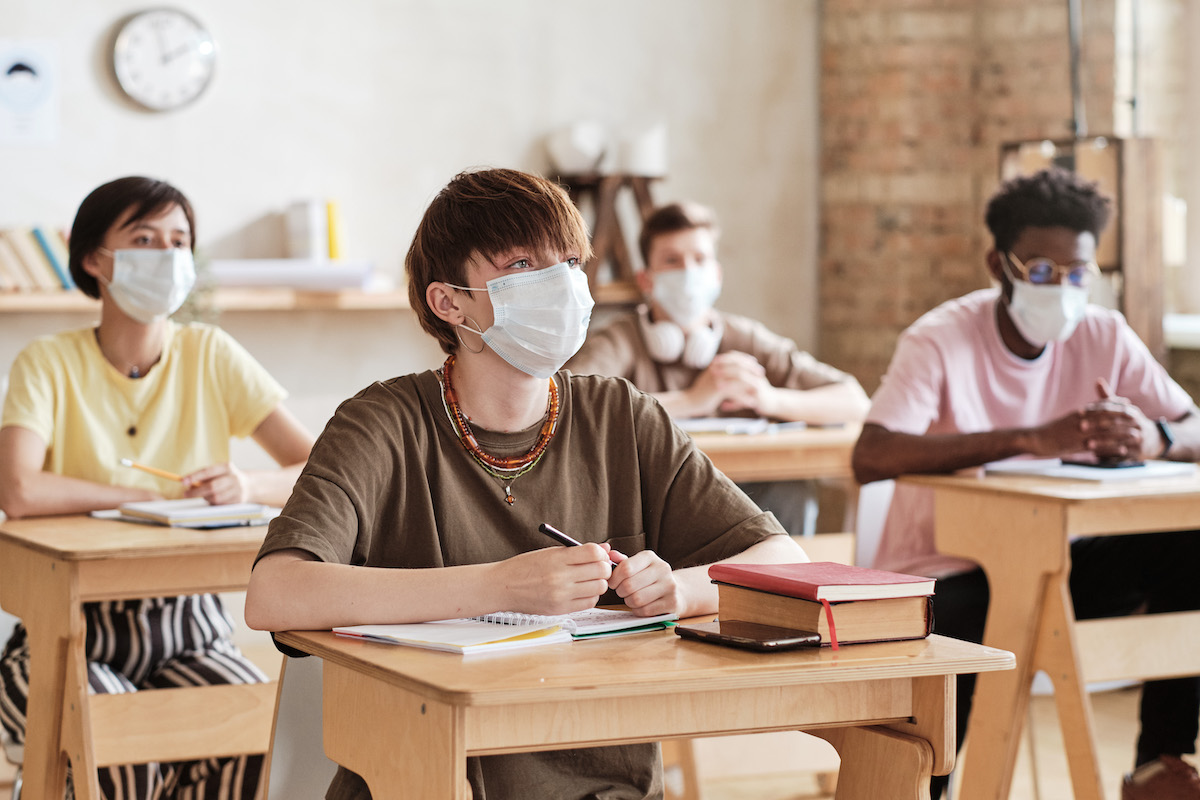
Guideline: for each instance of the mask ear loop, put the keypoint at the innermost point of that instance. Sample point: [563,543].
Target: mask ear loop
[457,332]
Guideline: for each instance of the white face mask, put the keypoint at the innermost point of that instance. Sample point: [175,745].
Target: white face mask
[151,284]
[687,294]
[541,317]
[1046,312]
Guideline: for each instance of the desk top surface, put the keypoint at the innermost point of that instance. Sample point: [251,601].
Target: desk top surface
[786,439]
[639,664]
[79,537]
[1064,489]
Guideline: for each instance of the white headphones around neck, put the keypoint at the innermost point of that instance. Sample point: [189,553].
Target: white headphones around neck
[668,343]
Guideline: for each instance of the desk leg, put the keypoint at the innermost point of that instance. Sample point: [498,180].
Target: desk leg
[76,721]
[47,621]
[400,744]
[1021,547]
[1058,655]
[880,764]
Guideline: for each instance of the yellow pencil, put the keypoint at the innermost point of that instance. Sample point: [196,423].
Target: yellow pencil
[162,473]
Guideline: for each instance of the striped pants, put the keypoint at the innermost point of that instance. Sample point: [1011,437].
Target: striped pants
[147,644]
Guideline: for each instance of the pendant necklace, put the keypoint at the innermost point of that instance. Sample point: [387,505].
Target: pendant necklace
[134,373]
[505,470]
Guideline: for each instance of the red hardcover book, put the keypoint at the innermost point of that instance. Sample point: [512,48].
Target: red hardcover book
[822,580]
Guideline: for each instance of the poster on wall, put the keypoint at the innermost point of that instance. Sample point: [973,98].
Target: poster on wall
[28,92]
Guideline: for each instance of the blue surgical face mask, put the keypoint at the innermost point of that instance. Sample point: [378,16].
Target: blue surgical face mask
[150,284]
[540,317]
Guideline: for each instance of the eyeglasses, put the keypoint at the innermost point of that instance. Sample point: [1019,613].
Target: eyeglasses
[1043,271]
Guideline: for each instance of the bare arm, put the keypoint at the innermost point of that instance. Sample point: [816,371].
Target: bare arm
[26,490]
[825,405]
[1109,429]
[881,454]
[1186,430]
[289,590]
[285,440]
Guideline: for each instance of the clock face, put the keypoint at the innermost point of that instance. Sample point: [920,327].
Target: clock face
[163,58]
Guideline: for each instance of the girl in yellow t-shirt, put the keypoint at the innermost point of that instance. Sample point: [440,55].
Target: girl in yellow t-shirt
[141,387]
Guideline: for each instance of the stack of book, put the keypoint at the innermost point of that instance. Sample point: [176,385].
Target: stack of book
[844,604]
[33,259]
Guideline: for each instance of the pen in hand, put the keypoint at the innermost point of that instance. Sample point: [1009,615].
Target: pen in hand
[162,473]
[562,538]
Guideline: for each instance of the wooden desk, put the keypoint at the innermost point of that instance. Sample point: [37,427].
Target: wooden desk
[51,567]
[404,717]
[782,456]
[1018,529]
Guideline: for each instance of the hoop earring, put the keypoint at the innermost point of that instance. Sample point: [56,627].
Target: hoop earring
[476,329]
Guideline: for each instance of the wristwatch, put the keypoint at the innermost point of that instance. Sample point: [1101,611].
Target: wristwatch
[1164,430]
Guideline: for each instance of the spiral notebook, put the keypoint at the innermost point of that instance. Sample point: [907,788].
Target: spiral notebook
[507,630]
[588,624]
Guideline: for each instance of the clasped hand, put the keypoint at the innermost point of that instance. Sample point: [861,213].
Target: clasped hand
[1112,428]
[559,580]
[734,381]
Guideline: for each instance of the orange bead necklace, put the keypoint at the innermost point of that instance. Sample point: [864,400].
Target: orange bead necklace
[506,470]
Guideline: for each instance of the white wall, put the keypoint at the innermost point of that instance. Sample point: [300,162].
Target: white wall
[377,103]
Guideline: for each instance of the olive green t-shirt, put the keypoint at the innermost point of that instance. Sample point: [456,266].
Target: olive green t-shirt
[388,484]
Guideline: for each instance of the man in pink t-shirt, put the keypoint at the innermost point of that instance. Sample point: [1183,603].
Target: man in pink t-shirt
[1030,369]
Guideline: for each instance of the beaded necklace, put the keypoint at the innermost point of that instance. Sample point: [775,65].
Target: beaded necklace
[506,470]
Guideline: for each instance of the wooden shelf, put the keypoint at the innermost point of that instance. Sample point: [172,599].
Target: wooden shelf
[274,299]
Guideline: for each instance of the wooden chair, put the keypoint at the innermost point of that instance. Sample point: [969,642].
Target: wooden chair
[297,765]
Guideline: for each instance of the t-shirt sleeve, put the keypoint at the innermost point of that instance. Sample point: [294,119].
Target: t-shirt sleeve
[698,515]
[333,499]
[30,401]
[251,394]
[1145,382]
[609,350]
[909,396]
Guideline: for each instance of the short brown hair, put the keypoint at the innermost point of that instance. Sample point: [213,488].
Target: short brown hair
[672,218]
[487,212]
[101,209]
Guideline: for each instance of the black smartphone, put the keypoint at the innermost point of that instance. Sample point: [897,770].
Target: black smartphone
[749,635]
[1113,463]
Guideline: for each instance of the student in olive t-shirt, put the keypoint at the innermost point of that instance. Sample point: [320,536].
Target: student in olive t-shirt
[448,473]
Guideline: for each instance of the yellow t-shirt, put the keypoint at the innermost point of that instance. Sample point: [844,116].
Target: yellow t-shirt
[178,417]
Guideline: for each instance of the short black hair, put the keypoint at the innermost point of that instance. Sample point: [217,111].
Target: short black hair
[1046,199]
[101,209]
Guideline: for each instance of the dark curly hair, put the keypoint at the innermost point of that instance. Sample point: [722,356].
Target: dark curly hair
[1046,199]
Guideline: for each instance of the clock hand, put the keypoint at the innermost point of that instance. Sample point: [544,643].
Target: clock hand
[176,53]
[162,44]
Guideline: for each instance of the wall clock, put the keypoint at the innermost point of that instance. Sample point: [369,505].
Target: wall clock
[163,58]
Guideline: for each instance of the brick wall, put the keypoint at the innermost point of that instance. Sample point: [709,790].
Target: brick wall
[916,98]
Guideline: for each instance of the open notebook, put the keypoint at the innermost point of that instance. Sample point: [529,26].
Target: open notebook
[507,630]
[191,512]
[1055,468]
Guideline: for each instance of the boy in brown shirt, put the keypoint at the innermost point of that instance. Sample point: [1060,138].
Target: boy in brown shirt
[422,498]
